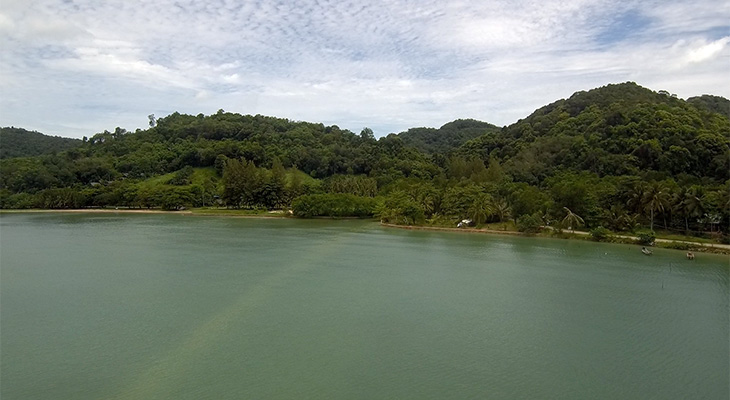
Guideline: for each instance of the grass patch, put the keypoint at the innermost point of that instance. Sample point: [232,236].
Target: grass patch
[202,175]
[500,226]
[676,236]
[199,177]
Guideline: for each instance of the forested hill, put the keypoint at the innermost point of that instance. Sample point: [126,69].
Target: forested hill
[621,129]
[708,102]
[447,138]
[18,142]
[620,156]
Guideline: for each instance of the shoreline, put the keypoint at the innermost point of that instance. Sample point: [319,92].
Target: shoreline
[445,229]
[143,211]
[97,211]
[715,248]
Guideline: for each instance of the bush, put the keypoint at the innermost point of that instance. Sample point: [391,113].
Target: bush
[333,205]
[646,238]
[529,223]
[19,201]
[182,177]
[599,233]
[173,199]
[399,208]
[60,198]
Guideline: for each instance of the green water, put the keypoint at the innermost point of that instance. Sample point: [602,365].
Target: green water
[182,307]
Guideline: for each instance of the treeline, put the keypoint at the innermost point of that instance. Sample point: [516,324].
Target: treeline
[18,142]
[621,157]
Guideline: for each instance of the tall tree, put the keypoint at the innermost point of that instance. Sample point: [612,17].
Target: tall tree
[481,208]
[689,202]
[656,198]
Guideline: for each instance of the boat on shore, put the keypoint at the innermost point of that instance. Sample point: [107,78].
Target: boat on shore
[646,251]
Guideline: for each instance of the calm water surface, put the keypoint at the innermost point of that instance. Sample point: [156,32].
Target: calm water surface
[181,307]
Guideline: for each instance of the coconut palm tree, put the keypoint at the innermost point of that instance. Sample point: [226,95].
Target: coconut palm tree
[617,218]
[572,219]
[689,202]
[502,210]
[656,198]
[482,208]
[635,197]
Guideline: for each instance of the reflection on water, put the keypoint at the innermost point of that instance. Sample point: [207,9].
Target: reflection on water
[172,306]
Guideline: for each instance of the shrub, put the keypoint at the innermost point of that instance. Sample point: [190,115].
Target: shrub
[333,205]
[646,238]
[182,177]
[599,233]
[60,198]
[399,208]
[529,223]
[20,201]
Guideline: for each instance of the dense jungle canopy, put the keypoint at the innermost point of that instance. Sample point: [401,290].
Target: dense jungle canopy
[619,157]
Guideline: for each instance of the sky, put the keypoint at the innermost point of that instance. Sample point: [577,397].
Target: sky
[78,67]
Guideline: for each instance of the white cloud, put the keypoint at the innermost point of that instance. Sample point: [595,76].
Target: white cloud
[75,67]
[707,51]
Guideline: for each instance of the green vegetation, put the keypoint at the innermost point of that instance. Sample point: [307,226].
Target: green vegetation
[600,233]
[18,142]
[447,138]
[620,158]
[333,205]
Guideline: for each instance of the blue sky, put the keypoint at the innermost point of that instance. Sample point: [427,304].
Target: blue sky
[77,67]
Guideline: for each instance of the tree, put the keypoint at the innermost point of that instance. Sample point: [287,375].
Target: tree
[689,203]
[655,198]
[618,219]
[220,163]
[399,208]
[571,219]
[367,134]
[527,199]
[276,185]
[495,173]
[242,182]
[529,223]
[502,210]
[481,208]
[636,196]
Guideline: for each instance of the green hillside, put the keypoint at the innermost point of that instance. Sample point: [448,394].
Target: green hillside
[614,130]
[447,138]
[18,142]
[620,157]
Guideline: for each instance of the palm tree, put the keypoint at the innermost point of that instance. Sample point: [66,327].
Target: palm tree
[680,206]
[481,208]
[724,201]
[617,218]
[572,219]
[689,202]
[635,197]
[502,210]
[656,198]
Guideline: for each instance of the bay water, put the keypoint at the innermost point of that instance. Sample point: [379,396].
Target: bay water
[120,306]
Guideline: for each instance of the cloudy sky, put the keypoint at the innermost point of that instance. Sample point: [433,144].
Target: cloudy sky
[77,67]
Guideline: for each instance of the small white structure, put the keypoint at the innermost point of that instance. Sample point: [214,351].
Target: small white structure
[464,223]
